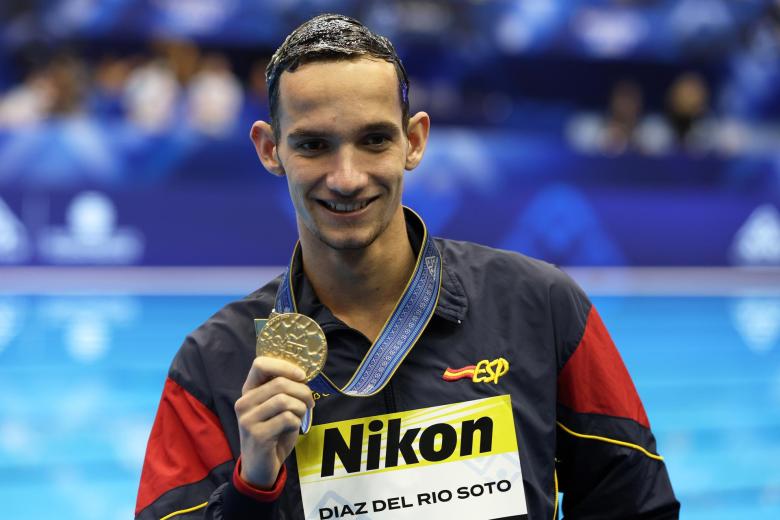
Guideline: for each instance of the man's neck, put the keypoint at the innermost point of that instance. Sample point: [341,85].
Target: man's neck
[362,287]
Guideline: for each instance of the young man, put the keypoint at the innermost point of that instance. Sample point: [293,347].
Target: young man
[462,381]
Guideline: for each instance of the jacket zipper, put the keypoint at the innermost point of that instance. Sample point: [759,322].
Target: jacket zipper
[390,398]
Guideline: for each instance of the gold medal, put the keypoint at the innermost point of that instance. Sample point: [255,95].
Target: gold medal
[295,338]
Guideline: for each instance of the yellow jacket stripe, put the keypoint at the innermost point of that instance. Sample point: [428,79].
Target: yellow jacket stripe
[611,441]
[182,511]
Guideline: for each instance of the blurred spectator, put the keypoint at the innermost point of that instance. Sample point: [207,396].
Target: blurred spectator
[687,104]
[69,81]
[151,95]
[256,101]
[750,90]
[214,97]
[110,78]
[625,110]
[182,57]
[624,127]
[29,102]
[57,88]
[257,84]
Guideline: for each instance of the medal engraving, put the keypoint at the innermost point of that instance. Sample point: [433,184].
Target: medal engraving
[295,338]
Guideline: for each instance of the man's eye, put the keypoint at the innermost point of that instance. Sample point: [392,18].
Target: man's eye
[312,146]
[376,140]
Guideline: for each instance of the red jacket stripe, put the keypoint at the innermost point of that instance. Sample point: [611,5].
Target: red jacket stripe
[186,443]
[595,380]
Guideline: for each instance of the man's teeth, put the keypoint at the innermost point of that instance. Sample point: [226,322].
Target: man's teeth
[346,207]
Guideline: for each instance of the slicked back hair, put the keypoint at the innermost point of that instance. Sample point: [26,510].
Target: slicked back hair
[331,37]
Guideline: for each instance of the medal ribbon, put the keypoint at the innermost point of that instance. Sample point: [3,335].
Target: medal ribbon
[399,334]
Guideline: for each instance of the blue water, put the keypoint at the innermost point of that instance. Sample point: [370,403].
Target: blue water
[80,378]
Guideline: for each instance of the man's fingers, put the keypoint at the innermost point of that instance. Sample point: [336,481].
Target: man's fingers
[279,385]
[274,406]
[280,424]
[266,368]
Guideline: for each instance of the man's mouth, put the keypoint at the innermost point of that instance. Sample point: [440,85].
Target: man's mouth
[345,207]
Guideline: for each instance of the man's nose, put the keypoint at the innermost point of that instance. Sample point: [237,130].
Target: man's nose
[346,177]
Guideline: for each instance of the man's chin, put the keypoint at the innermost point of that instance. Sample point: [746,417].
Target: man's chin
[347,243]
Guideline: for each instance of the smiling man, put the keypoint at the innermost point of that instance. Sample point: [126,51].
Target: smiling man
[460,381]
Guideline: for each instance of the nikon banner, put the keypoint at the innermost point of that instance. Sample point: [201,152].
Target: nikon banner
[453,461]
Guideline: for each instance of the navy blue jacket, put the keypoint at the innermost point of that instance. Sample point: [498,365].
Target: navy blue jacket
[580,424]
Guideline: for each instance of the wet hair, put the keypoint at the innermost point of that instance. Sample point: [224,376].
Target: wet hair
[331,37]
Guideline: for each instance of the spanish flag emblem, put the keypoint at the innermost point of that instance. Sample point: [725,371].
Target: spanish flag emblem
[453,374]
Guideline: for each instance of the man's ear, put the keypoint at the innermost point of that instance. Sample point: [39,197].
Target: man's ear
[417,133]
[262,135]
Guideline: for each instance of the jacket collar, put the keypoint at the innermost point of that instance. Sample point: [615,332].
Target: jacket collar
[452,304]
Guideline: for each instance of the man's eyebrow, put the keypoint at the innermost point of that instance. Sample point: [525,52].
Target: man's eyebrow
[379,127]
[304,133]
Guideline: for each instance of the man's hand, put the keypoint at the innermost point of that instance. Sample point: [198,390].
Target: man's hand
[273,401]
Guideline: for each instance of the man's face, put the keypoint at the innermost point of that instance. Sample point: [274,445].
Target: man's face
[343,149]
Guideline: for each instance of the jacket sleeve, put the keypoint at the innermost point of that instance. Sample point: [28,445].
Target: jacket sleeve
[189,470]
[606,459]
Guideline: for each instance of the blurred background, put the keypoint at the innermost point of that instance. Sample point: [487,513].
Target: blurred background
[636,143]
